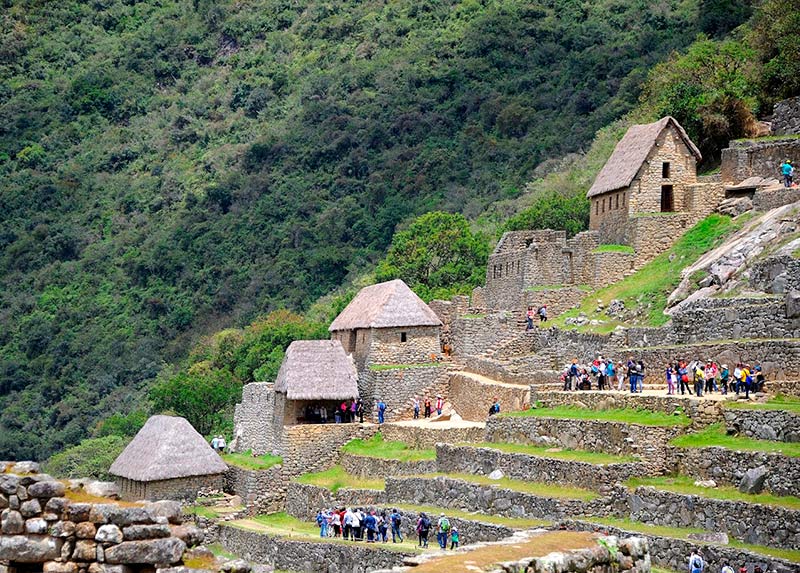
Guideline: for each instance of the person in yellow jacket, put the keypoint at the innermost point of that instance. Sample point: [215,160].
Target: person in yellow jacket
[745,380]
[699,379]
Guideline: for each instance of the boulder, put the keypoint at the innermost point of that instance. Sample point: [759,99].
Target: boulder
[29,548]
[63,529]
[46,489]
[793,304]
[85,550]
[138,532]
[753,480]
[30,508]
[108,533]
[121,516]
[12,522]
[496,474]
[705,483]
[78,512]
[85,530]
[709,537]
[56,567]
[56,505]
[154,551]
[166,508]
[235,566]
[9,484]
[189,534]
[36,526]
[25,468]
[102,489]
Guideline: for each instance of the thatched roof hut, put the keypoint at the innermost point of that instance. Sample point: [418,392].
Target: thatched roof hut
[167,447]
[317,370]
[385,305]
[631,152]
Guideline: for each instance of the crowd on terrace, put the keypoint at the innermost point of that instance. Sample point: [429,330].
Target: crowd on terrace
[694,377]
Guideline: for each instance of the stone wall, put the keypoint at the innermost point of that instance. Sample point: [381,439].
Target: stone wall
[774,197]
[40,526]
[457,494]
[743,521]
[387,346]
[397,388]
[777,275]
[747,158]
[471,397]
[673,554]
[448,311]
[483,461]
[262,491]
[305,555]
[473,336]
[609,216]
[253,420]
[610,267]
[728,467]
[650,443]
[364,466]
[428,436]
[179,489]
[558,300]
[650,234]
[315,447]
[778,425]
[786,117]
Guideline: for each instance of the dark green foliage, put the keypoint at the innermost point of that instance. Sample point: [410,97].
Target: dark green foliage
[91,458]
[123,425]
[554,211]
[775,36]
[437,256]
[171,168]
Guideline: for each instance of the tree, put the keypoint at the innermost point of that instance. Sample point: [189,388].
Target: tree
[438,252]
[91,458]
[553,210]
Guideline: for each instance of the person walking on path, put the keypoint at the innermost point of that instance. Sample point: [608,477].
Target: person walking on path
[442,531]
[696,563]
[787,171]
[454,539]
[529,319]
[416,408]
[360,410]
[543,313]
[381,411]
[427,407]
[423,529]
[439,405]
[495,407]
[396,519]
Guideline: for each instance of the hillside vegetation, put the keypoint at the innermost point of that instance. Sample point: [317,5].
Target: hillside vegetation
[172,168]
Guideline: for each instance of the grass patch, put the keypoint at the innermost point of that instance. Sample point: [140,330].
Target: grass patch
[626,415]
[770,138]
[380,367]
[598,458]
[681,533]
[336,478]
[540,489]
[247,461]
[779,402]
[201,511]
[377,447]
[714,435]
[614,249]
[685,485]
[649,287]
[218,550]
[473,316]
[512,522]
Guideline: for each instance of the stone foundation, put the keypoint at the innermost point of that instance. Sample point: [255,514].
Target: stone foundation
[179,489]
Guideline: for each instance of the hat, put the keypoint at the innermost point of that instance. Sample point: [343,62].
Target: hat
[724,365]
[442,514]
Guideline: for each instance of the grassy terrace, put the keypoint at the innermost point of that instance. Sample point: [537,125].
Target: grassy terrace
[685,485]
[681,533]
[626,415]
[541,489]
[597,458]
[377,447]
[381,367]
[614,249]
[247,461]
[336,478]
[715,435]
[779,402]
[284,525]
[512,522]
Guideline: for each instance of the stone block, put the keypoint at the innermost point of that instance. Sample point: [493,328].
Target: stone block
[13,502]
[29,548]
[85,550]
[139,532]
[63,529]
[166,508]
[9,484]
[36,526]
[793,304]
[78,512]
[753,480]
[22,493]
[25,468]
[121,516]
[30,508]
[12,522]
[154,551]
[85,530]
[56,567]
[46,489]
[108,533]
[189,534]
[3,501]
[102,489]
[56,504]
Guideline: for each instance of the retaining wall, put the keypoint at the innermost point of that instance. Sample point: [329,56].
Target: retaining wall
[472,398]
[364,466]
[779,425]
[428,436]
[315,447]
[262,491]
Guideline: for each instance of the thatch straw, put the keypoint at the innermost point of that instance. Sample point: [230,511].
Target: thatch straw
[385,305]
[167,447]
[317,370]
[631,152]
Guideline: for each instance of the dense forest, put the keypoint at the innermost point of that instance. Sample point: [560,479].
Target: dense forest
[172,168]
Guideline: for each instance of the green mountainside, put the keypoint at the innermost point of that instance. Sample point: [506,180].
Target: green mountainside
[172,168]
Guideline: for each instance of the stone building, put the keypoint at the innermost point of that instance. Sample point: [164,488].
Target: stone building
[167,459]
[387,323]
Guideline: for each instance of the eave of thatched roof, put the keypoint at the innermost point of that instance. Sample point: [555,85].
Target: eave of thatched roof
[317,370]
[167,447]
[385,305]
[631,152]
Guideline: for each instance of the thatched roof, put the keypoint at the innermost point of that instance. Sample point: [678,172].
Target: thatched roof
[631,152]
[317,370]
[385,305]
[167,447]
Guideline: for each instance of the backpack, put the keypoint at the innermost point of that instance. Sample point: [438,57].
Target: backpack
[396,519]
[697,562]
[425,525]
[445,525]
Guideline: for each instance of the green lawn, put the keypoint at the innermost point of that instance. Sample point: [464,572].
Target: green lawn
[247,461]
[377,447]
[336,478]
[202,511]
[614,249]
[650,286]
[626,415]
[779,402]
[685,485]
[598,458]
[380,367]
[681,533]
[715,435]
[534,488]
[512,522]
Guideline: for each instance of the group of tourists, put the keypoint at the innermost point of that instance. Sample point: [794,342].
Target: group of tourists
[359,525]
[427,404]
[694,377]
[541,312]
[698,565]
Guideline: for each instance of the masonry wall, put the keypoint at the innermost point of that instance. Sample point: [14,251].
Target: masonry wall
[422,342]
[772,198]
[448,311]
[703,197]
[262,491]
[777,275]
[474,335]
[315,447]
[670,148]
[609,268]
[472,398]
[180,489]
[397,388]
[786,117]
[609,215]
[558,300]
[428,437]
[253,420]
[363,466]
[748,158]
[652,234]
[780,425]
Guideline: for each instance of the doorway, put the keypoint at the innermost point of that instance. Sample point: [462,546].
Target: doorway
[667,199]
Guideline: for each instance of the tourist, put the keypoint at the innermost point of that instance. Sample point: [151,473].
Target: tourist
[442,530]
[348,525]
[710,375]
[684,377]
[495,407]
[396,520]
[699,379]
[343,411]
[585,381]
[215,443]
[640,376]
[671,378]
[427,407]
[632,375]
[353,409]
[727,569]
[454,538]
[758,384]
[423,529]
[336,523]
[724,377]
[371,525]
[529,319]
[222,444]
[610,374]
[601,375]
[574,375]
[383,527]
[416,408]
[439,404]
[620,375]
[358,524]
[543,313]
[747,380]
[696,563]
[381,411]
[787,171]
[360,410]
[322,522]
[323,414]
